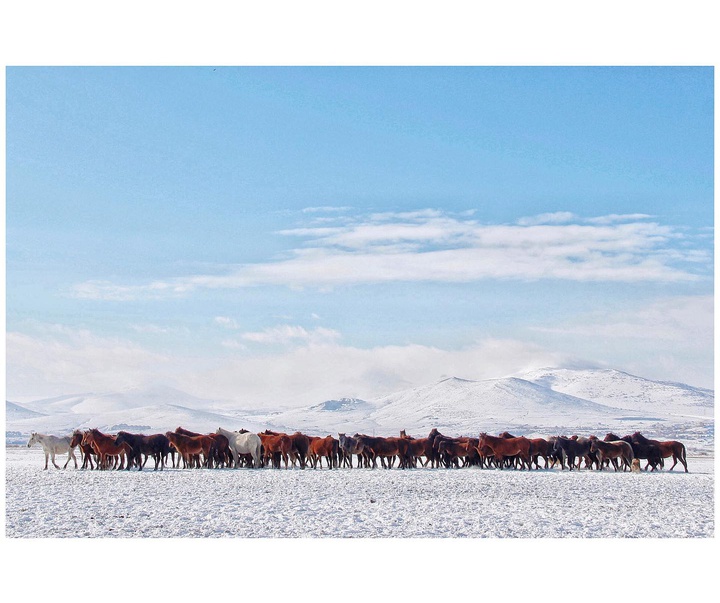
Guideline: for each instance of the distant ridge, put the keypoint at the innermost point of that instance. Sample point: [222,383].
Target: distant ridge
[541,402]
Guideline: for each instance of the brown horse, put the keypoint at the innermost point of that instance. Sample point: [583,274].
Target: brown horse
[192,447]
[669,448]
[649,452]
[221,455]
[105,447]
[453,449]
[299,444]
[506,447]
[612,451]
[276,447]
[322,448]
[385,448]
[540,447]
[86,450]
[418,447]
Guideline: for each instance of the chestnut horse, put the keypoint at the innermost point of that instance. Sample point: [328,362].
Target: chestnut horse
[191,447]
[221,455]
[322,448]
[105,447]
[299,446]
[506,447]
[669,448]
[276,447]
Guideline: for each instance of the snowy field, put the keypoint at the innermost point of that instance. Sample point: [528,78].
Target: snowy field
[355,503]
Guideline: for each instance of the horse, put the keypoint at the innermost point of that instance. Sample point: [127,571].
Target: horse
[453,449]
[385,448]
[669,448]
[220,453]
[105,447]
[276,447]
[350,446]
[505,447]
[156,445]
[243,443]
[322,448]
[191,447]
[53,445]
[299,444]
[612,451]
[86,451]
[540,447]
[649,452]
[570,448]
[418,447]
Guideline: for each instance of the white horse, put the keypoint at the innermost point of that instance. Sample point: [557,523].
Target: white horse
[243,443]
[53,445]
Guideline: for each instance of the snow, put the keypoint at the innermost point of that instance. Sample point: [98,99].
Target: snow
[355,503]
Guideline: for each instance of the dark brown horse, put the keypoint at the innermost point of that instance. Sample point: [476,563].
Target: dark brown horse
[506,447]
[612,451]
[540,447]
[669,448]
[418,447]
[86,450]
[386,449]
[648,452]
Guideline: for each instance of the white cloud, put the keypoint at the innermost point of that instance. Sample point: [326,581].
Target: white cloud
[228,323]
[316,369]
[428,245]
[64,361]
[284,334]
[317,372]
[671,338]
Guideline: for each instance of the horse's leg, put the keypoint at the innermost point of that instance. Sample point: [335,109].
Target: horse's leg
[675,463]
[53,460]
[47,458]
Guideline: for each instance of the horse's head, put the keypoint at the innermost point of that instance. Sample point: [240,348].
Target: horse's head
[593,445]
[121,437]
[33,439]
[76,438]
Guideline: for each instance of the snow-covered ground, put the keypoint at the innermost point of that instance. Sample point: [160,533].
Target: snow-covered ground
[355,503]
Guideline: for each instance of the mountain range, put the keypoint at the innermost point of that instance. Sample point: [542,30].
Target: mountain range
[539,403]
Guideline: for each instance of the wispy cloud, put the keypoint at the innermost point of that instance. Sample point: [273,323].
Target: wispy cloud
[284,334]
[429,245]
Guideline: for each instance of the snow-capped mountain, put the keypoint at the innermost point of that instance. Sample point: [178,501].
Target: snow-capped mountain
[617,388]
[542,402]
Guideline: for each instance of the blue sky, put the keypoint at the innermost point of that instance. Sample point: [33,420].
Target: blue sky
[287,235]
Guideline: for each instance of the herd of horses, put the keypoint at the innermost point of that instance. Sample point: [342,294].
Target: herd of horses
[233,449]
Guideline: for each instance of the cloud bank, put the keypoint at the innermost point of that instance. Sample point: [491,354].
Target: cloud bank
[433,246]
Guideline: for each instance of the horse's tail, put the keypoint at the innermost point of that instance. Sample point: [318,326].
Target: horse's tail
[683,455]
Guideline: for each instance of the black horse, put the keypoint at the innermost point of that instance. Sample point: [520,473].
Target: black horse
[569,448]
[157,446]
